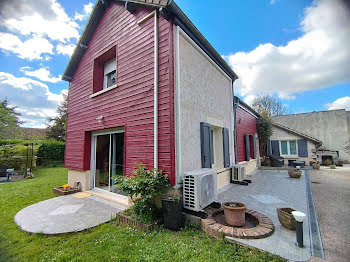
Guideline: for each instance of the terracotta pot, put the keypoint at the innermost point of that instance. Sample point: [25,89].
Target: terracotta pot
[316,165]
[234,215]
[294,173]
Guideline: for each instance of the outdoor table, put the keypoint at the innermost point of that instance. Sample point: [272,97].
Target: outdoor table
[299,163]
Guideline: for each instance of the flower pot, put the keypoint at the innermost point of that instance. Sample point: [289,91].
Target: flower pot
[172,214]
[316,165]
[234,213]
[294,173]
[286,218]
[61,192]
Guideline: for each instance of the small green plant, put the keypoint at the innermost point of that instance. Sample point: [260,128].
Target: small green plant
[143,186]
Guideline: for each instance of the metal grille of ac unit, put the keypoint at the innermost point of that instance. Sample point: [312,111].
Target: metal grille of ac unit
[238,173]
[189,192]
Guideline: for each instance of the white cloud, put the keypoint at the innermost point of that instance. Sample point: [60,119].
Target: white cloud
[29,49]
[44,18]
[65,49]
[319,58]
[341,103]
[42,74]
[86,12]
[34,100]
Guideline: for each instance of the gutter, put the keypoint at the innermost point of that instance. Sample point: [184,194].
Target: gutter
[235,105]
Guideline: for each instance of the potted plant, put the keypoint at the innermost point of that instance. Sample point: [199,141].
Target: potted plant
[316,165]
[294,173]
[172,212]
[234,213]
[65,190]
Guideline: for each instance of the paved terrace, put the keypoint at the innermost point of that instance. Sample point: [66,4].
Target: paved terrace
[268,191]
[71,213]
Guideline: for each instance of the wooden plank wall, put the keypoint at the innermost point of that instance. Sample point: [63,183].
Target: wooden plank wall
[131,104]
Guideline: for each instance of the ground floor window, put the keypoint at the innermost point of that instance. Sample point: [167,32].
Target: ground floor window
[288,148]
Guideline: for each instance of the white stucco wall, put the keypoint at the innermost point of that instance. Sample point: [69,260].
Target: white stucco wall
[331,127]
[281,134]
[205,96]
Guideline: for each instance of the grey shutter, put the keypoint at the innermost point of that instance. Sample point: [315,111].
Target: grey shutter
[205,145]
[247,147]
[275,147]
[302,148]
[254,147]
[269,147]
[226,147]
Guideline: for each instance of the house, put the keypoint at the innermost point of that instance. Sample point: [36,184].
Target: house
[146,86]
[331,127]
[246,135]
[292,145]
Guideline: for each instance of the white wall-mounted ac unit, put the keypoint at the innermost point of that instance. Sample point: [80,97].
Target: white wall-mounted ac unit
[199,188]
[238,173]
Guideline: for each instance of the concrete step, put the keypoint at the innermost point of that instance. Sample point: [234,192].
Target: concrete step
[112,197]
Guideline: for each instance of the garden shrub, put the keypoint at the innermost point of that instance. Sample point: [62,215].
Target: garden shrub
[143,186]
[51,153]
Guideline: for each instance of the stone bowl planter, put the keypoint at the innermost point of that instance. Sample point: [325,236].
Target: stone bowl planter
[234,213]
[286,218]
[61,192]
[316,165]
[294,173]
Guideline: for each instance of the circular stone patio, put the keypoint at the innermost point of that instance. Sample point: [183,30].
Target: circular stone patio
[71,213]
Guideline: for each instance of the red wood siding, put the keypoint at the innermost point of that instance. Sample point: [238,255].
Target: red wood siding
[245,124]
[131,104]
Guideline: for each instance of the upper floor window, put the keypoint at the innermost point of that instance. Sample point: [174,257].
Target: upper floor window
[105,72]
[110,74]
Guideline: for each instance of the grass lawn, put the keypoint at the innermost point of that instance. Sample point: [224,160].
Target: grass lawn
[107,242]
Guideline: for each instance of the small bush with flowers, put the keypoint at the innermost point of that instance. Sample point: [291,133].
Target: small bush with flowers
[66,187]
[143,186]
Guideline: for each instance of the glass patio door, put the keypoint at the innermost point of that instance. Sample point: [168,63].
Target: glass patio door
[108,160]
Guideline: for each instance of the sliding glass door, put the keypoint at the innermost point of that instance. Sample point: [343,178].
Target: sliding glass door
[107,159]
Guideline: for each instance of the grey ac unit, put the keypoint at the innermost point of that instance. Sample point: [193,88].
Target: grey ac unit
[199,188]
[238,173]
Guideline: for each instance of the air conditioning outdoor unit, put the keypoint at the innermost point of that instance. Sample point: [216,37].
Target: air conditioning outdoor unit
[199,188]
[238,175]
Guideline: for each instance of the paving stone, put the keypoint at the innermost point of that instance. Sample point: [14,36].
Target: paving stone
[276,190]
[66,214]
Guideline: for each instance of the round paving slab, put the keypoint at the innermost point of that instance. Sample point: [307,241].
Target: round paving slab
[66,214]
[263,226]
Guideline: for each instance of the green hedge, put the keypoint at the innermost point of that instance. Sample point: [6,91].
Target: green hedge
[51,153]
[16,156]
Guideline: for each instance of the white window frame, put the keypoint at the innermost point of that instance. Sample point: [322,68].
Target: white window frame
[212,153]
[109,67]
[288,148]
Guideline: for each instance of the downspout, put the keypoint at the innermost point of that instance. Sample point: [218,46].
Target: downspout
[235,104]
[156,89]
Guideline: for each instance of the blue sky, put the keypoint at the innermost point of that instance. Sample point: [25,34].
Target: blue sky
[295,50]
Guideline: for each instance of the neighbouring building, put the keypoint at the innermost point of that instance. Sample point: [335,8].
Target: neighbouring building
[146,86]
[247,142]
[331,127]
[292,145]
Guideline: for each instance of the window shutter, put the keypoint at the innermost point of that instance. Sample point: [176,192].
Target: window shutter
[302,148]
[247,147]
[205,145]
[275,148]
[254,147]
[226,147]
[268,147]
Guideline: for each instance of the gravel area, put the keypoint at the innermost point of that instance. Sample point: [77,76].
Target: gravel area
[331,195]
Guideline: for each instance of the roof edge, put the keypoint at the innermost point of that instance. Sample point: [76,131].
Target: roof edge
[179,16]
[298,133]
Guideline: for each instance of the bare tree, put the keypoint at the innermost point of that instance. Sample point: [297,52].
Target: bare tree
[268,106]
